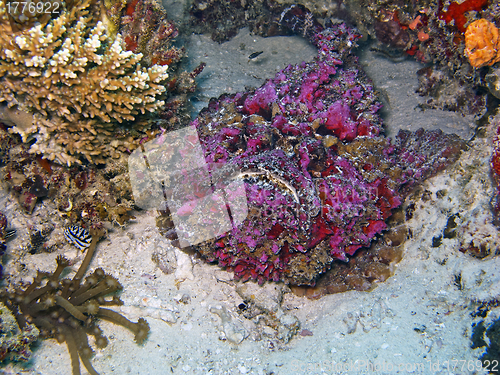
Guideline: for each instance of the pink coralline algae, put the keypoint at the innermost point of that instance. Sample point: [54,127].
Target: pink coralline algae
[320,177]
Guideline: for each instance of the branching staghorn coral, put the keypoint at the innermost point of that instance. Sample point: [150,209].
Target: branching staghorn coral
[79,84]
[68,310]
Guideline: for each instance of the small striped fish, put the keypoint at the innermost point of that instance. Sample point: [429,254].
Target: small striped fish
[10,233]
[78,236]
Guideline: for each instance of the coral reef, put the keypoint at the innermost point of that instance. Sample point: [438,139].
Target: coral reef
[446,92]
[25,16]
[79,84]
[464,199]
[2,252]
[146,30]
[15,342]
[432,32]
[493,81]
[429,30]
[68,309]
[495,166]
[223,19]
[472,221]
[84,195]
[320,8]
[5,235]
[320,178]
[482,43]
[456,12]
[3,247]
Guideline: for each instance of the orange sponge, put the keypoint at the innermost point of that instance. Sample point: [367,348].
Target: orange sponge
[482,43]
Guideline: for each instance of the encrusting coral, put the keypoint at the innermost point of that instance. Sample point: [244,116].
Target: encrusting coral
[79,83]
[68,310]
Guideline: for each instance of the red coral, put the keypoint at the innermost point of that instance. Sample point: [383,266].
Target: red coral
[131,8]
[456,11]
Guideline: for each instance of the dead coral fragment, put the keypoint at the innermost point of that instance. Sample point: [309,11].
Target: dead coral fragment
[482,43]
[67,309]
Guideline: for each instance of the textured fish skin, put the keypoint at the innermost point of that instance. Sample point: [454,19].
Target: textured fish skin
[320,177]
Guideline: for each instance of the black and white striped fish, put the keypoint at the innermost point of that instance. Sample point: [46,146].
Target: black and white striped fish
[78,236]
[10,233]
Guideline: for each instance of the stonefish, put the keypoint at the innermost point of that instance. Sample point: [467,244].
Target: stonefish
[319,176]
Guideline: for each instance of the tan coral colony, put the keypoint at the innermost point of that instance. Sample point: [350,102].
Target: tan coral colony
[79,84]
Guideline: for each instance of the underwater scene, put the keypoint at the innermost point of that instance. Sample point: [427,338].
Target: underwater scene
[265,187]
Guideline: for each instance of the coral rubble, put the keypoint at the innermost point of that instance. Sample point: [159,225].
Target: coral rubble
[68,309]
[320,178]
[78,82]
[15,342]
